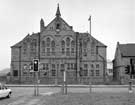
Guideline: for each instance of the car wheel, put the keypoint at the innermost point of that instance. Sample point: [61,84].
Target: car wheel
[9,95]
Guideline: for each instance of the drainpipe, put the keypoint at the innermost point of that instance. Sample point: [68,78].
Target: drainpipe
[20,65]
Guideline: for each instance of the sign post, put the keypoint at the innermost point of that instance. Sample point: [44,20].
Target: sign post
[65,84]
[35,65]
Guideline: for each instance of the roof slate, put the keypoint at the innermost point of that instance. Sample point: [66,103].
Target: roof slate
[127,49]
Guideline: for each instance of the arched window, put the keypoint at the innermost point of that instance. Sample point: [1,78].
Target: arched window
[48,40]
[53,47]
[72,43]
[68,41]
[63,43]
[53,43]
[43,47]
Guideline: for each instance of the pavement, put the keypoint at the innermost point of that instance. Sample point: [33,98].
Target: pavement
[76,86]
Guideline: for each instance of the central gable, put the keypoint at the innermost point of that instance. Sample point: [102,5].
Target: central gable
[58,24]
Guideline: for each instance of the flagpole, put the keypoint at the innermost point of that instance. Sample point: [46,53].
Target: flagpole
[90,23]
[90,79]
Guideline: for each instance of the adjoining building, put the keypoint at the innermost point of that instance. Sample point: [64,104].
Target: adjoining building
[109,71]
[58,47]
[123,54]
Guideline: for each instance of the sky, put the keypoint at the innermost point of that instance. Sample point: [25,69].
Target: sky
[112,21]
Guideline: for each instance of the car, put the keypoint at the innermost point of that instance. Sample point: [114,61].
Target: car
[4,91]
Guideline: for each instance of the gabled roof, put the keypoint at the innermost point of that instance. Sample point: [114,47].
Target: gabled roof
[60,19]
[19,44]
[127,50]
[99,44]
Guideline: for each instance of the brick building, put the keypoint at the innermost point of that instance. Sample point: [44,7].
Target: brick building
[123,54]
[58,47]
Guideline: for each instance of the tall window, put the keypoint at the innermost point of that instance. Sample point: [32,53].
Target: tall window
[72,43]
[92,72]
[53,43]
[85,70]
[53,47]
[63,43]
[53,70]
[43,47]
[68,66]
[63,50]
[68,52]
[72,47]
[63,47]
[48,51]
[72,51]
[97,72]
[68,41]
[62,67]
[53,50]
[92,66]
[48,40]
[85,52]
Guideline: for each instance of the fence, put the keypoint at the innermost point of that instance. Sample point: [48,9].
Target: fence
[57,80]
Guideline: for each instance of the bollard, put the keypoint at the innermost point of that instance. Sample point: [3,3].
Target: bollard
[130,87]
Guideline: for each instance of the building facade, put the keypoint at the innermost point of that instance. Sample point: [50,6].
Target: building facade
[123,54]
[58,47]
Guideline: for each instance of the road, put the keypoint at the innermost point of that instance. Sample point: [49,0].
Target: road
[25,95]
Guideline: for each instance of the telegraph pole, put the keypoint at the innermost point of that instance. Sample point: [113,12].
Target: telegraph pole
[90,81]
